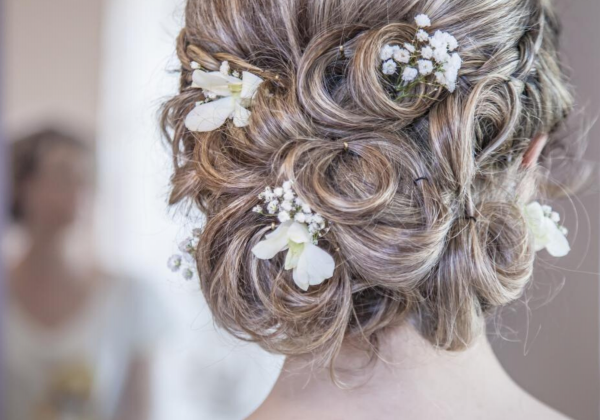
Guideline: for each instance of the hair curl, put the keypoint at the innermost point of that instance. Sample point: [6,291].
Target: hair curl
[442,251]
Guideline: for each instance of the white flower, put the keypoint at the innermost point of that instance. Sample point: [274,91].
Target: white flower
[422,21]
[410,74]
[555,217]
[425,67]
[187,274]
[194,65]
[272,207]
[286,205]
[422,36]
[174,263]
[409,47]
[300,217]
[278,192]
[427,52]
[236,96]
[225,68]
[257,209]
[186,246]
[283,216]
[440,55]
[402,56]
[438,40]
[387,51]
[546,233]
[306,208]
[389,67]
[452,42]
[311,265]
[288,195]
[268,194]
[287,186]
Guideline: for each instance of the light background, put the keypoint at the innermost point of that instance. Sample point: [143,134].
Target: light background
[102,67]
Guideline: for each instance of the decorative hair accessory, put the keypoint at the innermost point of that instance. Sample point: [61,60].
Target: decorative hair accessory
[298,232]
[185,263]
[226,96]
[547,232]
[428,59]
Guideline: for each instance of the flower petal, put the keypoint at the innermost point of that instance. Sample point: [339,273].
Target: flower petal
[213,82]
[273,243]
[241,116]
[558,245]
[293,255]
[314,267]
[210,116]
[250,84]
[299,233]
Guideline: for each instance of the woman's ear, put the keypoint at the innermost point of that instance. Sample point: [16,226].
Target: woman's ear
[535,149]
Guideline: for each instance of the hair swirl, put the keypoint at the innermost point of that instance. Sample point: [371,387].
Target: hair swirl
[443,251]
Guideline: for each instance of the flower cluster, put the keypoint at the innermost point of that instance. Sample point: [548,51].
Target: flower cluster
[544,224]
[227,95]
[427,59]
[185,263]
[298,233]
[283,203]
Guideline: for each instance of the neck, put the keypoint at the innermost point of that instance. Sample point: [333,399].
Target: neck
[409,370]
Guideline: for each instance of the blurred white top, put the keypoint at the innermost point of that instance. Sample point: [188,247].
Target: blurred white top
[47,368]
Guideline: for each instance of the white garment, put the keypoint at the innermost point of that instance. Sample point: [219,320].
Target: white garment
[97,346]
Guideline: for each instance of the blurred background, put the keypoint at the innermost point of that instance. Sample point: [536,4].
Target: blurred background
[94,325]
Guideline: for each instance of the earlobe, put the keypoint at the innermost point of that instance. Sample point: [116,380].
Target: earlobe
[535,150]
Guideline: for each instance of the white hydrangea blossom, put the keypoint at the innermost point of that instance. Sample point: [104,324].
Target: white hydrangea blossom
[426,56]
[389,67]
[298,233]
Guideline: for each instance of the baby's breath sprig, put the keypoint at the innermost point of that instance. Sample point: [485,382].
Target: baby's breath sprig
[428,59]
[185,263]
[283,203]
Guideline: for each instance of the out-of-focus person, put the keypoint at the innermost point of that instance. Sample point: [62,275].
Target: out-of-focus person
[77,341]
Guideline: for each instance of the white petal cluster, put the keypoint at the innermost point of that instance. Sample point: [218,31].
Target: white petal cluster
[410,74]
[298,233]
[283,203]
[185,263]
[228,95]
[425,67]
[389,67]
[547,233]
[422,21]
[428,55]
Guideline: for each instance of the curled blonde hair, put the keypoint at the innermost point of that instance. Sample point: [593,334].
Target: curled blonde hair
[424,195]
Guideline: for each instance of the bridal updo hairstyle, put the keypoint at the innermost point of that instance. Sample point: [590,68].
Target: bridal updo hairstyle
[424,195]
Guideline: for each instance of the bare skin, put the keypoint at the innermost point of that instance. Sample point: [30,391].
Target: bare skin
[411,381]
